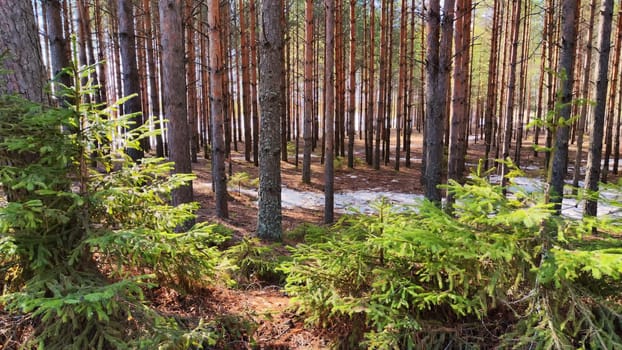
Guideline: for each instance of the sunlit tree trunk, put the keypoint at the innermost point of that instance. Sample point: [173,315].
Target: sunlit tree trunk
[217,72]
[58,43]
[369,117]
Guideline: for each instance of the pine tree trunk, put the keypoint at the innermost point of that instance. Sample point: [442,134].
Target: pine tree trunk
[597,126]
[173,93]
[566,73]
[509,114]
[272,101]
[58,44]
[329,175]
[612,101]
[369,117]
[19,36]
[253,79]
[217,101]
[352,86]
[152,77]
[308,90]
[402,82]
[246,99]
[191,79]
[129,67]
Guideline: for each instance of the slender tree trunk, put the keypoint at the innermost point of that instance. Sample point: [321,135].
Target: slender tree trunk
[612,100]
[352,87]
[308,87]
[246,99]
[272,100]
[369,118]
[173,92]
[597,126]
[402,82]
[253,79]
[191,79]
[152,78]
[129,67]
[565,72]
[509,114]
[58,44]
[382,81]
[329,175]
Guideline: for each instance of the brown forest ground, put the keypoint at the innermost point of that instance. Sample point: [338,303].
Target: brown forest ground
[267,306]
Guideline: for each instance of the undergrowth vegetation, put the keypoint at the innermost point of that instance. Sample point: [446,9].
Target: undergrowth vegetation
[492,274]
[86,231]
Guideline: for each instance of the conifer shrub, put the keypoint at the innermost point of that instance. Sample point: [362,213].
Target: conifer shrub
[80,244]
[488,275]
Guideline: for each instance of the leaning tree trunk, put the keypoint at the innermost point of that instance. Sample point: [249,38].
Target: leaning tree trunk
[272,103]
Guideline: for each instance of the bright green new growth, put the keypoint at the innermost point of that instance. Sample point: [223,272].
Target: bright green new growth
[80,244]
[419,278]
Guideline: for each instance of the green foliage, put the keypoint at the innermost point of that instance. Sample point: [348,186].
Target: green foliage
[256,262]
[304,232]
[78,245]
[243,179]
[418,277]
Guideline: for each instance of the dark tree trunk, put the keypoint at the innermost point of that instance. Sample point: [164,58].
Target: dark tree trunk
[129,68]
[566,73]
[174,93]
[308,90]
[596,137]
[329,113]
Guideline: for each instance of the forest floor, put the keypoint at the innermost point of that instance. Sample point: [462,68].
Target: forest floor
[266,306]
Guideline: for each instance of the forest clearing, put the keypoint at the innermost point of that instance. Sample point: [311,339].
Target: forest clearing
[299,174]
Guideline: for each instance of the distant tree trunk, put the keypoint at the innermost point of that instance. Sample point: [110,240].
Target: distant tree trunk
[308,84]
[58,43]
[352,87]
[253,78]
[153,83]
[596,137]
[612,100]
[20,42]
[523,84]
[329,112]
[402,81]
[382,81]
[246,99]
[174,93]
[386,145]
[191,79]
[491,95]
[509,114]
[566,73]
[543,60]
[217,71]
[129,67]
[103,66]
[369,117]
[272,101]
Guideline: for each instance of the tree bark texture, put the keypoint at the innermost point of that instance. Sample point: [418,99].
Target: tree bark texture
[272,103]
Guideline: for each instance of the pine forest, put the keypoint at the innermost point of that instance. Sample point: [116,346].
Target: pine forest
[299,174]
